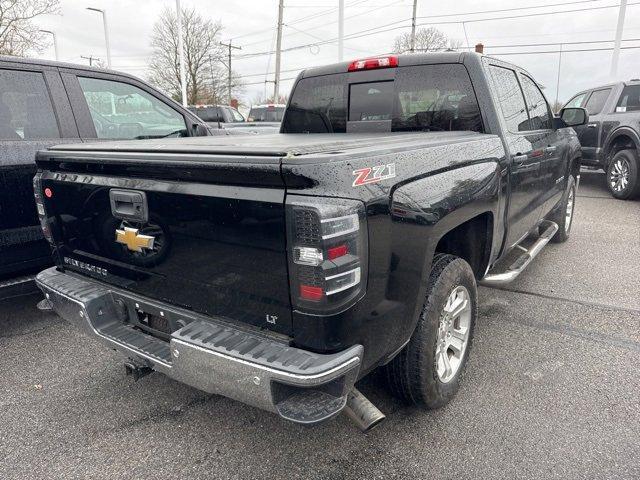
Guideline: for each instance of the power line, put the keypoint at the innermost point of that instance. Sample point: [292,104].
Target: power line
[393,26]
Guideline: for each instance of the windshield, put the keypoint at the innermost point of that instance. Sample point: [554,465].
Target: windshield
[417,98]
[266,114]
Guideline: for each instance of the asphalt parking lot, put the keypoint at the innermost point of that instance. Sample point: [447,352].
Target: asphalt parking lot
[552,390]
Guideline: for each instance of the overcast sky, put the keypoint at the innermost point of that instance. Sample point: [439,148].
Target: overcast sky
[251,25]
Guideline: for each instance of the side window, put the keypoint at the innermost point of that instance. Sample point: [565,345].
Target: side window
[597,100]
[26,112]
[510,98]
[121,110]
[539,116]
[576,101]
[629,100]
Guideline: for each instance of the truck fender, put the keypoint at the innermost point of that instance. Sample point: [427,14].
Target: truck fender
[613,136]
[422,211]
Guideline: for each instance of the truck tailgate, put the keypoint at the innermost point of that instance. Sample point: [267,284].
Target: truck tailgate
[209,236]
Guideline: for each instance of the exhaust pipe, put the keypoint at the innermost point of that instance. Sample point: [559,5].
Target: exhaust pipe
[361,411]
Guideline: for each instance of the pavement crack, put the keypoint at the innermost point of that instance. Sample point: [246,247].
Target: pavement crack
[584,303]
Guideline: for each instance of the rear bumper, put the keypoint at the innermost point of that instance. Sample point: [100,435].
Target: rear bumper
[209,354]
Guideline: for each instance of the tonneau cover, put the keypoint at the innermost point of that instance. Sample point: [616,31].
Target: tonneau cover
[276,145]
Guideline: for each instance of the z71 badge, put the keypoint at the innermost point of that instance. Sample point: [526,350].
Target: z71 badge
[367,175]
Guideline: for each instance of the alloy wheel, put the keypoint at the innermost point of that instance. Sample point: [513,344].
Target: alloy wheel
[569,212]
[453,333]
[619,175]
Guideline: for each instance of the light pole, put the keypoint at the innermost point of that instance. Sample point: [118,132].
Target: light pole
[55,42]
[106,32]
[558,79]
[616,48]
[183,71]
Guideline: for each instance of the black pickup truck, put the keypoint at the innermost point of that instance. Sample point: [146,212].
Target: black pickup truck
[611,138]
[279,269]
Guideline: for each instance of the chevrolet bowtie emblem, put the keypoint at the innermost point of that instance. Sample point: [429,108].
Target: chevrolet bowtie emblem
[133,241]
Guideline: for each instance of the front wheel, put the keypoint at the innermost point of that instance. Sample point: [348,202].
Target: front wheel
[428,370]
[563,216]
[623,179]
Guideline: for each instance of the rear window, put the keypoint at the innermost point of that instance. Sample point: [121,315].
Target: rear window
[418,98]
[207,114]
[266,114]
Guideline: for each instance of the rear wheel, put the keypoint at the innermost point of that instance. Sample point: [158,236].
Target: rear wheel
[622,175]
[428,370]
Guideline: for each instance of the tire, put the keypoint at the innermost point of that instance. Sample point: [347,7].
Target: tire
[416,375]
[623,178]
[563,215]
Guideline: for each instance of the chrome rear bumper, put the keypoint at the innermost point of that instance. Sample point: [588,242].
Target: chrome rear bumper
[209,354]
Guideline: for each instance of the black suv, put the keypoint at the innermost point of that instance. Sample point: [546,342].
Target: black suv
[47,103]
[611,139]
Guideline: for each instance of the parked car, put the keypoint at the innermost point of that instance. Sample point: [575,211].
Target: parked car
[279,270]
[46,103]
[270,113]
[611,139]
[230,119]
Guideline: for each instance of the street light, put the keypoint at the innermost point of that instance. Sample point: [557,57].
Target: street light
[106,32]
[55,41]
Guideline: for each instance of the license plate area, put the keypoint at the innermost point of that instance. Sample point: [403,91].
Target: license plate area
[150,318]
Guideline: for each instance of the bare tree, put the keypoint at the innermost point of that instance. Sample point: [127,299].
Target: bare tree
[427,40]
[260,99]
[18,34]
[206,72]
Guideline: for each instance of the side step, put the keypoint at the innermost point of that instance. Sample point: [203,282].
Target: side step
[517,267]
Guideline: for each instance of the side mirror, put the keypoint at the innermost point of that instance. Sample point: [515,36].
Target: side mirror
[200,130]
[574,117]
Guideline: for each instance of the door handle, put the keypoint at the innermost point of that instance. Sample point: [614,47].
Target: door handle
[592,125]
[520,159]
[551,149]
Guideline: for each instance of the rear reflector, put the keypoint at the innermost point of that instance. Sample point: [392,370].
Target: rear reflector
[337,252]
[311,293]
[48,193]
[373,63]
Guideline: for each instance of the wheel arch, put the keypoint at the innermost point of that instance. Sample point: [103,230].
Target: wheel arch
[623,138]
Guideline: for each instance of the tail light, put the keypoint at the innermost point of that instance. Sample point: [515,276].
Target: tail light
[328,252]
[42,212]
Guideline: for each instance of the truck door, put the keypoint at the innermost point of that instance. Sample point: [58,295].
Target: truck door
[552,162]
[34,114]
[589,134]
[527,149]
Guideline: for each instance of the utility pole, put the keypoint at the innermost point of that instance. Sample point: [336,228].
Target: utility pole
[90,58]
[183,72]
[276,86]
[230,46]
[558,79]
[106,32]
[412,46]
[340,30]
[55,42]
[616,48]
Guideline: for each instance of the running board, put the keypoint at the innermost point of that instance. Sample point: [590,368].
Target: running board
[517,267]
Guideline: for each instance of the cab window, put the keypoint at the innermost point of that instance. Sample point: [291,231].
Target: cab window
[539,113]
[629,100]
[120,110]
[576,101]
[26,112]
[596,101]
[510,98]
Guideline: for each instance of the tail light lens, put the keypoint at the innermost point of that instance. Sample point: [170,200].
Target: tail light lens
[42,212]
[328,252]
